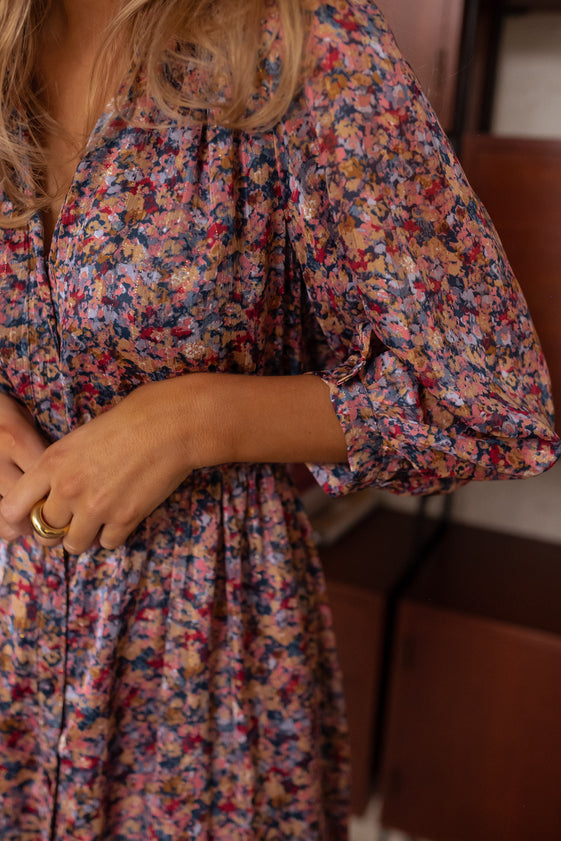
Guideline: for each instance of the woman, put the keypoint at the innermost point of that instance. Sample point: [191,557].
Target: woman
[169,281]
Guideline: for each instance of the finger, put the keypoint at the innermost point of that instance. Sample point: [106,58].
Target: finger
[82,534]
[113,535]
[9,475]
[29,450]
[9,532]
[12,524]
[56,513]
[18,502]
[25,447]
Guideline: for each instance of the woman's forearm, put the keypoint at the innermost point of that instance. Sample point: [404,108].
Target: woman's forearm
[260,419]
[107,475]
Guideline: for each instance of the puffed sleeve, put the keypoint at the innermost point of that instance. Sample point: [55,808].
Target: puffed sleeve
[439,377]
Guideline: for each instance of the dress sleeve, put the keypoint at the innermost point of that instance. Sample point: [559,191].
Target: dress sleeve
[439,377]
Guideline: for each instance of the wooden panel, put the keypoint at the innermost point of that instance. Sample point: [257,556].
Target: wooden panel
[519,181]
[516,580]
[473,740]
[359,620]
[428,35]
[363,570]
[374,554]
[474,743]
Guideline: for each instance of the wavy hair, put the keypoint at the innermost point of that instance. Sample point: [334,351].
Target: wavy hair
[218,43]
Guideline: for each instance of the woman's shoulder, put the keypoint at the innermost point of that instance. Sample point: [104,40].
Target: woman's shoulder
[336,23]
[334,30]
[350,49]
[351,62]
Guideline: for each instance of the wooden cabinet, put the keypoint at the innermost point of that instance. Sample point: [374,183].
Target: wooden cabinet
[429,35]
[474,742]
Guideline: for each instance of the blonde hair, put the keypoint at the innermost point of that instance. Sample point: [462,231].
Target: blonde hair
[218,44]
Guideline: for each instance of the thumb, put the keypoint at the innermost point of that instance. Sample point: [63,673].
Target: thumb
[25,445]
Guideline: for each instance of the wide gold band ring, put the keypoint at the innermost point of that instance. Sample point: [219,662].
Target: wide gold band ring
[40,525]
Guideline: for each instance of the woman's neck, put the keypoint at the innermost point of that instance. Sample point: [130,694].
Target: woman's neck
[82,18]
[71,40]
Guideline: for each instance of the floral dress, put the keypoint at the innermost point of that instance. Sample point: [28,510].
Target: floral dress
[184,686]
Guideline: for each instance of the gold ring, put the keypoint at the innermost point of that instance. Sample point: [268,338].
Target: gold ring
[40,525]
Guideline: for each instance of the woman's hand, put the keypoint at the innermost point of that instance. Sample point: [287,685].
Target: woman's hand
[106,476]
[21,445]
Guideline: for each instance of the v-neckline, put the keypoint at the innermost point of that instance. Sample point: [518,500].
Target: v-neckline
[101,122]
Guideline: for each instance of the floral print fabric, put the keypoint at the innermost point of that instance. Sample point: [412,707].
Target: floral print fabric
[185,686]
